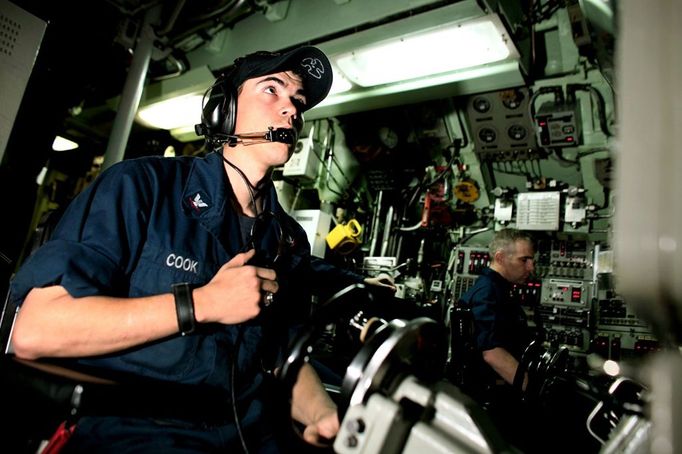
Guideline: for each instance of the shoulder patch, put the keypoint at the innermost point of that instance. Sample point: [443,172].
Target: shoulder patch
[199,202]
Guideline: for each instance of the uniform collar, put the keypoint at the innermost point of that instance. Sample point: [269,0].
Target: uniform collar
[208,189]
[495,276]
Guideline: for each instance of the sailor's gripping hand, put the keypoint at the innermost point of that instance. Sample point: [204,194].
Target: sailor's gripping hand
[235,294]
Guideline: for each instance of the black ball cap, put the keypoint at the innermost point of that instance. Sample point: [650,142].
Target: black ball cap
[310,63]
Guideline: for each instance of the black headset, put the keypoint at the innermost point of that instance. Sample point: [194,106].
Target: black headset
[219,111]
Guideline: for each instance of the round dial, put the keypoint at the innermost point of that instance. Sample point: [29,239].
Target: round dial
[487,135]
[388,137]
[517,132]
[467,191]
[512,98]
[481,105]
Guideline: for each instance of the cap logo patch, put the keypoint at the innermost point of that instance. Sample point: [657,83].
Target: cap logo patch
[314,66]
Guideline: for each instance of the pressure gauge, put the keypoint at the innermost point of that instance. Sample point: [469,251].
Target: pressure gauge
[388,137]
[517,132]
[467,191]
[487,135]
[512,98]
[481,104]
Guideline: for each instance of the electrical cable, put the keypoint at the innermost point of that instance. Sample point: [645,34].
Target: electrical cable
[601,110]
[462,130]
[509,171]
[465,138]
[471,234]
[423,185]
[533,38]
[329,151]
[237,423]
[253,190]
[539,174]
[411,228]
[559,156]
[332,134]
[544,11]
[593,151]
[599,101]
[235,357]
[525,168]
[319,158]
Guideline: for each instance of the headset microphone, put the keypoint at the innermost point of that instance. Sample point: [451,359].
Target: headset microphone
[287,136]
[284,135]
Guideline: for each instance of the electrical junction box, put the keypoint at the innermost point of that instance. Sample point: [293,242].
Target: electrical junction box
[305,160]
[558,125]
[316,224]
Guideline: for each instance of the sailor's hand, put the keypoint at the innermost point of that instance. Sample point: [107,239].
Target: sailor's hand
[322,431]
[382,280]
[236,292]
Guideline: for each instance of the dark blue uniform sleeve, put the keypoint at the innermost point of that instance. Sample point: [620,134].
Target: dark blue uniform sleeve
[91,248]
[494,325]
[326,276]
[489,329]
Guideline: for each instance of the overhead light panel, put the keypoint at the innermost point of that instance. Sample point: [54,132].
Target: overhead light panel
[62,144]
[340,82]
[442,49]
[172,113]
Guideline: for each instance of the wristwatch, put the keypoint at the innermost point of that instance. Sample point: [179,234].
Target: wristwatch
[184,307]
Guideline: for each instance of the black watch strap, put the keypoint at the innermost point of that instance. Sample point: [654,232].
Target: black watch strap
[184,307]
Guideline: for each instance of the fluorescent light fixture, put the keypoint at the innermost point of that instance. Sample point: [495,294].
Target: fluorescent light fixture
[441,49]
[172,113]
[62,144]
[341,83]
[180,114]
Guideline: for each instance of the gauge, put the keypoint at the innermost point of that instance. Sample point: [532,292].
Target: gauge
[512,98]
[388,137]
[517,132]
[467,191]
[487,135]
[481,105]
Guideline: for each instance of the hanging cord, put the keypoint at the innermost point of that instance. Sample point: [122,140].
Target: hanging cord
[424,184]
[235,357]
[235,354]
[253,190]
[326,167]
[329,153]
[330,139]
[252,195]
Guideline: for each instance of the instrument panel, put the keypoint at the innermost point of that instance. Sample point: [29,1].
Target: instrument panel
[563,298]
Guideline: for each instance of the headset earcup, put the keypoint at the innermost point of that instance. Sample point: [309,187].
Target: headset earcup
[219,112]
[229,112]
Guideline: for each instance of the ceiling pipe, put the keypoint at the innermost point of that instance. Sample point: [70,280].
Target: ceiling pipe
[132,90]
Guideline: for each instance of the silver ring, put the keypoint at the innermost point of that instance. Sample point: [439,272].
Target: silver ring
[269,298]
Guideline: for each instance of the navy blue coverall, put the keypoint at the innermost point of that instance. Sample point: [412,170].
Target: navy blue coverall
[145,224]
